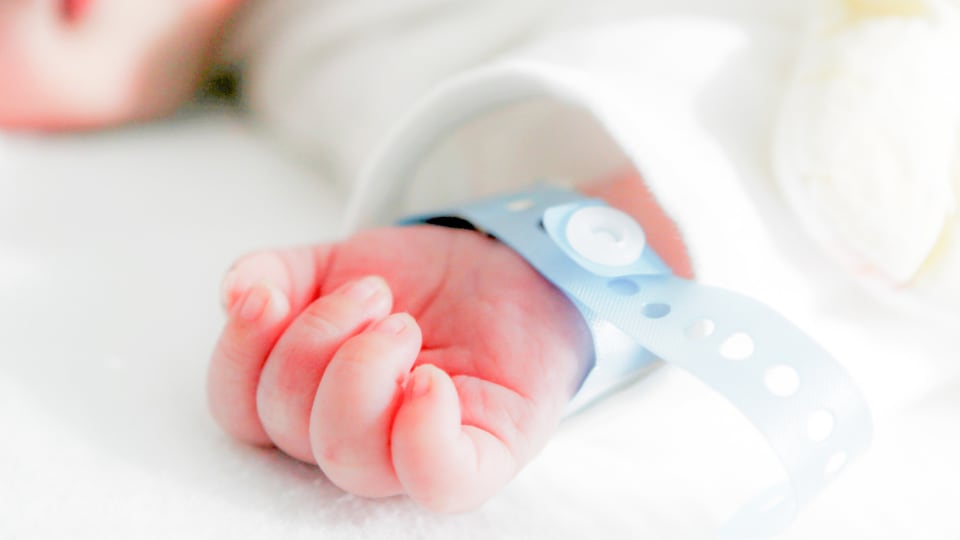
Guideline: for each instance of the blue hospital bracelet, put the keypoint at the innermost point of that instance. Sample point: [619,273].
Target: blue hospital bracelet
[804,402]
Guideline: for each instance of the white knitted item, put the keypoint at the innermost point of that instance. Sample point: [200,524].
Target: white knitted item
[867,145]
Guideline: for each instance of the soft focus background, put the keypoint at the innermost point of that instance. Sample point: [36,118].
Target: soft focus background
[112,246]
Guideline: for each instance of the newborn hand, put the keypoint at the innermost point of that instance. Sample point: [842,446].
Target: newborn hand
[444,399]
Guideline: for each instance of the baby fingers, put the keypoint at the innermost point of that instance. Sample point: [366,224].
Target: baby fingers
[289,380]
[296,272]
[257,319]
[355,404]
[442,463]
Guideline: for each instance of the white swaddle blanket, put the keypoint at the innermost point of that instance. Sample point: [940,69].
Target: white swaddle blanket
[687,92]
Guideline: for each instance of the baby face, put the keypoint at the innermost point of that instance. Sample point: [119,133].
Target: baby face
[72,64]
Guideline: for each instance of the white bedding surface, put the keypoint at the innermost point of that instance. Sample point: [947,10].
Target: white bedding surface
[112,246]
[111,250]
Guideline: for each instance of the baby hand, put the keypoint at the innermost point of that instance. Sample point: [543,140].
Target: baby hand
[427,361]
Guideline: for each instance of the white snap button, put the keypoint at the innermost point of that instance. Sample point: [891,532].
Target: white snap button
[606,236]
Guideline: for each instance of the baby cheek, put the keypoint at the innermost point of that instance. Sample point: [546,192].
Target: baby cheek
[20,98]
[31,101]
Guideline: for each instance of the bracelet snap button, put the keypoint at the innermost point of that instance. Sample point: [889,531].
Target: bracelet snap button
[605,236]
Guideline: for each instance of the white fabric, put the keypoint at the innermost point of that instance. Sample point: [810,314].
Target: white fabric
[111,255]
[868,146]
[328,78]
[112,246]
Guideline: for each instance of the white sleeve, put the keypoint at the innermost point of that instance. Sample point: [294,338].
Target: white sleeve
[326,79]
[700,143]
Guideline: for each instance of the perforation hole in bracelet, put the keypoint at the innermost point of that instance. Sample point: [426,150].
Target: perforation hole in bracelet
[738,346]
[623,286]
[835,464]
[820,426]
[656,310]
[782,381]
[700,330]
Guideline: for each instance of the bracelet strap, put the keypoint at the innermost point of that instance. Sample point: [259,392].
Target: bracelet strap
[804,402]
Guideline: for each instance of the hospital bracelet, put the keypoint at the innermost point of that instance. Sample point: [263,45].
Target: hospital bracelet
[795,394]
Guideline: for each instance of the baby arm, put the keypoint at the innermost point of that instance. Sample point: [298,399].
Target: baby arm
[445,399]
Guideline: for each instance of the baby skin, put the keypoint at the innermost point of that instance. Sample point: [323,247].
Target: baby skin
[423,361]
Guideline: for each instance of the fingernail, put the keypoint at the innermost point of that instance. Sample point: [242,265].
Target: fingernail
[420,385]
[364,288]
[257,302]
[393,325]
[254,304]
